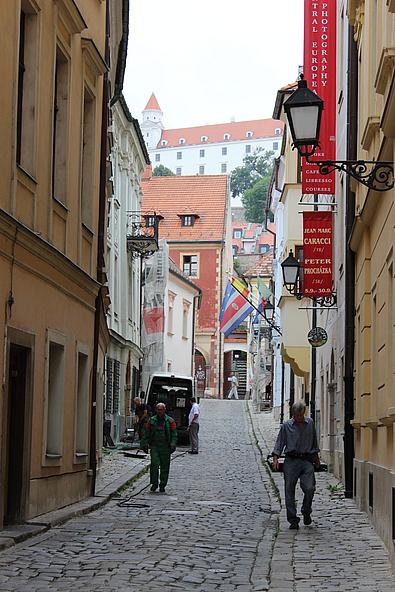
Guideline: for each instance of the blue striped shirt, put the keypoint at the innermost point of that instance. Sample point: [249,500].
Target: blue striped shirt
[297,438]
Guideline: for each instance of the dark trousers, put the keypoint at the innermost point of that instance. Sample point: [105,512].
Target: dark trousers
[160,459]
[194,436]
[294,469]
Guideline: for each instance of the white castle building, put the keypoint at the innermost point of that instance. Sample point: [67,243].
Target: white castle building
[207,149]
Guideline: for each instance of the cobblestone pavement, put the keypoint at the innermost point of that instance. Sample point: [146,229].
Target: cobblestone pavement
[339,552]
[212,530]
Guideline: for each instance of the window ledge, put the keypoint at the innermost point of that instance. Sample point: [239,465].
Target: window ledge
[60,203]
[81,454]
[29,176]
[51,455]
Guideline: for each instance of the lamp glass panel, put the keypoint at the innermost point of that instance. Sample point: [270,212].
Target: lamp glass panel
[269,310]
[290,273]
[305,121]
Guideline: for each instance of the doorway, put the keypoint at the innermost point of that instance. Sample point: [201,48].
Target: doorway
[17,432]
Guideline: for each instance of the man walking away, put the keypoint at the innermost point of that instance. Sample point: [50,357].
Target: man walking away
[193,423]
[160,435]
[299,439]
[233,389]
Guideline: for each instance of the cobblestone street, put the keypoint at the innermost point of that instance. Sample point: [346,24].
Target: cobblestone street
[214,529]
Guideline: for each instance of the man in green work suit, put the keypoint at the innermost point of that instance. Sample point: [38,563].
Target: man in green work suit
[160,435]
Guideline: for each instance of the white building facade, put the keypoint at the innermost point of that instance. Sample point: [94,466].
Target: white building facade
[129,158]
[206,150]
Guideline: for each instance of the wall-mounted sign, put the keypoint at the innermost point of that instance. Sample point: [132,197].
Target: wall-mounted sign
[317,337]
[319,71]
[317,254]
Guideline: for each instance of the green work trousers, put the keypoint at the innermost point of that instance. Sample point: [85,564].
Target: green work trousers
[160,459]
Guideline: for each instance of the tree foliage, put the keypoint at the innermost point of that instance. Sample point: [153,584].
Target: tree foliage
[251,182]
[162,171]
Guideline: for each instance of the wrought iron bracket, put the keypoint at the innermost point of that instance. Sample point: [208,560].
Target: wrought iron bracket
[374,174]
[320,301]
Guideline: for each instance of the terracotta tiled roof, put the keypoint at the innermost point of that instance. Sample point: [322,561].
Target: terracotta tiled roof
[292,86]
[152,104]
[237,130]
[263,266]
[205,196]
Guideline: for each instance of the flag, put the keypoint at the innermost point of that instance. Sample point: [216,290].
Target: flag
[240,286]
[264,295]
[235,308]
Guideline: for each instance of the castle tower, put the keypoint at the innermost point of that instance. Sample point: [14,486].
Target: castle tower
[152,125]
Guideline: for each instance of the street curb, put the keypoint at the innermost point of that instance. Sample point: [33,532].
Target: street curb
[261,574]
[40,524]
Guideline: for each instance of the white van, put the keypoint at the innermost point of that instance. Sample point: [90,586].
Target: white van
[176,392]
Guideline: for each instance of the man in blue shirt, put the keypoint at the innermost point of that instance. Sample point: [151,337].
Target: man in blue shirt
[299,439]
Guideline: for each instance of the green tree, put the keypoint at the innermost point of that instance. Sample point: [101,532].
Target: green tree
[162,171]
[251,182]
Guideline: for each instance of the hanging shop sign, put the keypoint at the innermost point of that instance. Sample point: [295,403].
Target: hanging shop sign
[317,337]
[317,253]
[320,73]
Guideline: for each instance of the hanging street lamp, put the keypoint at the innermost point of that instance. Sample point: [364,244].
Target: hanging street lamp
[304,109]
[291,274]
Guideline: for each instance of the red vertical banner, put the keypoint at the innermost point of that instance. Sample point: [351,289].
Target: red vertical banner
[317,253]
[320,73]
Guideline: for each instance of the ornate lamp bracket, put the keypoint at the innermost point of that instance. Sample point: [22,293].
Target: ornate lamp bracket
[374,174]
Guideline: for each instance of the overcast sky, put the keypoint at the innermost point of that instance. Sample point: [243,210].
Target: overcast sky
[210,60]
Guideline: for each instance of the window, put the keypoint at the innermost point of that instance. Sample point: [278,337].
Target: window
[82,402]
[226,136]
[249,134]
[170,315]
[370,492]
[187,220]
[26,100]
[277,131]
[248,148]
[55,397]
[109,385]
[181,141]
[201,169]
[179,155]
[202,153]
[264,248]
[116,385]
[189,265]
[60,125]
[178,171]
[275,145]
[185,319]
[235,250]
[204,139]
[157,157]
[237,233]
[223,167]
[164,142]
[151,221]
[88,148]
[224,151]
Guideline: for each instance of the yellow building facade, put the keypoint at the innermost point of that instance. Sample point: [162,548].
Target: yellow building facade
[373,243]
[50,124]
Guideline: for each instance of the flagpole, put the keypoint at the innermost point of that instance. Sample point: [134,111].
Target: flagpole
[257,310]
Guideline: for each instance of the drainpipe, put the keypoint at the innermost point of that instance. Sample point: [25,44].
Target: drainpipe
[313,349]
[349,327]
[99,308]
[282,391]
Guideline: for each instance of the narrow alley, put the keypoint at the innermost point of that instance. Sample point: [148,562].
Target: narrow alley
[218,527]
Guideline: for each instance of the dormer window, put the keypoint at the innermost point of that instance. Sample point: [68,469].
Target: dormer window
[164,142]
[277,131]
[181,141]
[204,139]
[151,221]
[249,134]
[188,219]
[226,136]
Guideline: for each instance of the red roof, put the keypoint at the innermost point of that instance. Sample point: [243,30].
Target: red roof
[205,196]
[262,266]
[152,104]
[237,130]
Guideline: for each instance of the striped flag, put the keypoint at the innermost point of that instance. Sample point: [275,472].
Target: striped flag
[235,308]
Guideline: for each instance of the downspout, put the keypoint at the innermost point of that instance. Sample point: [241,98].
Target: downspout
[282,391]
[99,308]
[349,324]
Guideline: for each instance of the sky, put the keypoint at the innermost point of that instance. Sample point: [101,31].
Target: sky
[209,61]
